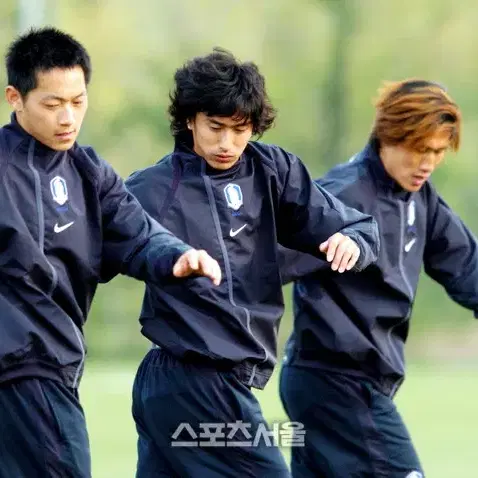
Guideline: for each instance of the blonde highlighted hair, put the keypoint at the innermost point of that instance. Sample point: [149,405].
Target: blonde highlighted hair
[410,111]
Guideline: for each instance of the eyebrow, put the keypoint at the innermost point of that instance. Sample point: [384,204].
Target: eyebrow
[220,123]
[59,98]
[441,148]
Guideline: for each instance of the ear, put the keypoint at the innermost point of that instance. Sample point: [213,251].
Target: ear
[14,98]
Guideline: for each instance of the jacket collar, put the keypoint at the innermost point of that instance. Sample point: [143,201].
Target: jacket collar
[23,140]
[385,182]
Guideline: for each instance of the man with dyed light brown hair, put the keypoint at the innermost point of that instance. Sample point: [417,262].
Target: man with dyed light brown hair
[345,359]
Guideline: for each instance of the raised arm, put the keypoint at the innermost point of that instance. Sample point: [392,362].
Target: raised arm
[136,245]
[314,221]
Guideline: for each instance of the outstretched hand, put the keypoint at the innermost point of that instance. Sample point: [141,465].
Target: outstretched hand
[342,251]
[197,262]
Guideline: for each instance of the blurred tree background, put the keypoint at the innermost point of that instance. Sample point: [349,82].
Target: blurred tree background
[323,61]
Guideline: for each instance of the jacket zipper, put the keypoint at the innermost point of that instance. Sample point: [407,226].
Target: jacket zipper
[401,208]
[402,245]
[41,243]
[227,267]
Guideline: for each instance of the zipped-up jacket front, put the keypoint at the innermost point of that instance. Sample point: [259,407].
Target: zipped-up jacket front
[238,216]
[358,323]
[67,222]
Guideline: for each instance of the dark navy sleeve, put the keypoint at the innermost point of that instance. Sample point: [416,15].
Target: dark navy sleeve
[134,244]
[451,254]
[309,215]
[294,264]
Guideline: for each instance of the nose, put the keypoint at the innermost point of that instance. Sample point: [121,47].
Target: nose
[67,116]
[226,140]
[428,162]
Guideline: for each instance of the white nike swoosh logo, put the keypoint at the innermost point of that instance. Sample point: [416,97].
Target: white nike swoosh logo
[233,232]
[409,245]
[58,228]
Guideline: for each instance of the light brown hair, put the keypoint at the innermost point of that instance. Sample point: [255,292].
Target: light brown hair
[410,111]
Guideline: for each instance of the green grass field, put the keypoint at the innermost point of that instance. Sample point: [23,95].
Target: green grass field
[439,404]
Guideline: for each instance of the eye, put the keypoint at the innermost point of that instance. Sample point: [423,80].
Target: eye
[78,103]
[51,106]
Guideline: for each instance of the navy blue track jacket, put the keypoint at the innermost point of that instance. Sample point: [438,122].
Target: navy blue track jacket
[67,223]
[238,216]
[358,323]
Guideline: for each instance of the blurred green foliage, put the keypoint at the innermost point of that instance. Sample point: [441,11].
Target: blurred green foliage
[323,61]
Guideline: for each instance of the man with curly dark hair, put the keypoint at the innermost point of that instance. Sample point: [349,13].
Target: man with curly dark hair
[237,199]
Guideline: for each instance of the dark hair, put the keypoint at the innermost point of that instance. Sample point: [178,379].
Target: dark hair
[219,85]
[409,111]
[40,50]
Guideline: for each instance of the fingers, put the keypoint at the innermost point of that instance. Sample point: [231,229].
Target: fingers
[192,259]
[197,262]
[343,254]
[354,259]
[186,264]
[180,269]
[342,251]
[332,244]
[216,276]
[208,267]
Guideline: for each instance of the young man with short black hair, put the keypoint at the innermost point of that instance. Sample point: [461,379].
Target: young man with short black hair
[67,223]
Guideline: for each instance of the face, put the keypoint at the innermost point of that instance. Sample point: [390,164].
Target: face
[412,168]
[53,112]
[219,140]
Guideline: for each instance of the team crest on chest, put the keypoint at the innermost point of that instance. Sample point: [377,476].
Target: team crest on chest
[233,195]
[59,190]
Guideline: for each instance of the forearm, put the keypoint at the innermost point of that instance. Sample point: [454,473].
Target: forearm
[366,236]
[294,265]
[154,260]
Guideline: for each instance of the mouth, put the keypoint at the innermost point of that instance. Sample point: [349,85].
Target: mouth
[223,158]
[65,135]
[419,180]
